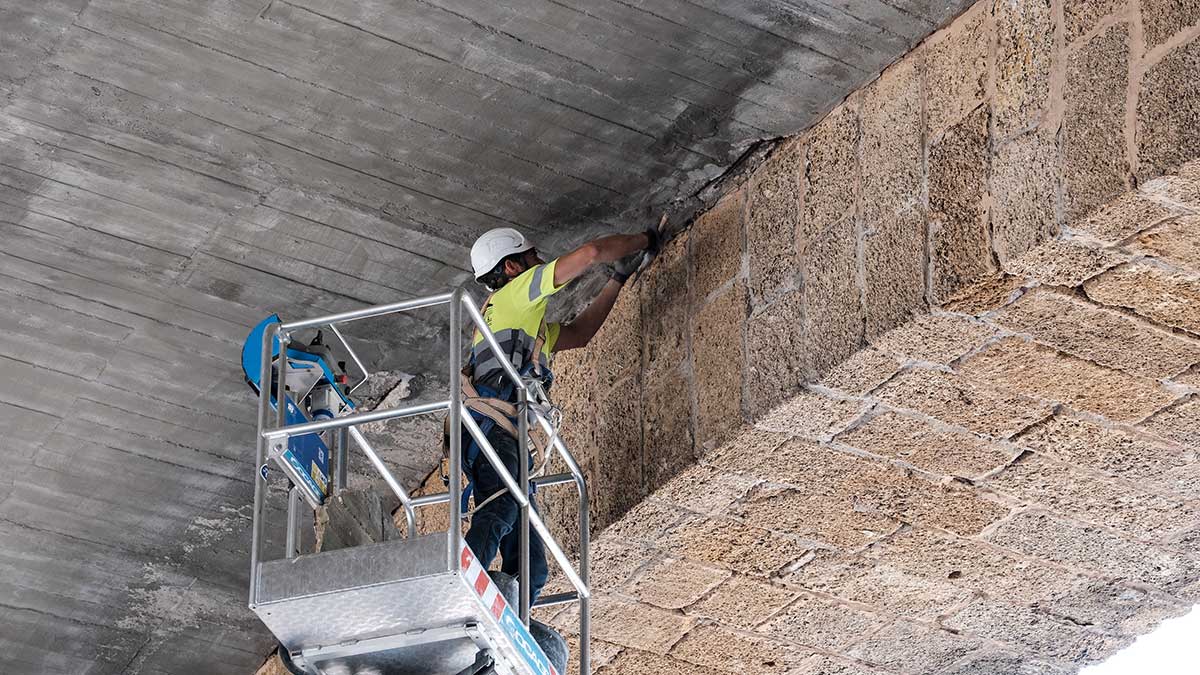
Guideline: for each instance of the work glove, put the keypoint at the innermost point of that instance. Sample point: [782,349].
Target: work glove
[627,266]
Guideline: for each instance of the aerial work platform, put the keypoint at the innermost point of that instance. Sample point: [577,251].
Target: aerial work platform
[420,605]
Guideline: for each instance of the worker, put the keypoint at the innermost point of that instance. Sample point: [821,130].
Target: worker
[521,283]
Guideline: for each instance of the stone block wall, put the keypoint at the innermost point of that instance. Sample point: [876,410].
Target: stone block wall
[996,133]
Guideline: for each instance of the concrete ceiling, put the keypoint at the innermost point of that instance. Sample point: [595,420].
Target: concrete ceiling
[170,170]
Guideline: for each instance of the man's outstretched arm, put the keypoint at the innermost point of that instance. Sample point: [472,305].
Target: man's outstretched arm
[603,250]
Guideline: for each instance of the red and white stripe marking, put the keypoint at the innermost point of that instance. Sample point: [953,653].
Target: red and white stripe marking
[479,579]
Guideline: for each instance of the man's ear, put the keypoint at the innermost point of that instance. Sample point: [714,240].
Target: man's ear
[513,268]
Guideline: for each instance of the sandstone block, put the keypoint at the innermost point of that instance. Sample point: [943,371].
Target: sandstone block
[1166,297]
[1161,19]
[823,624]
[1060,262]
[990,661]
[824,514]
[832,301]
[821,664]
[613,562]
[1175,241]
[811,415]
[665,294]
[719,359]
[674,584]
[1095,549]
[742,602]
[917,500]
[830,176]
[1024,186]
[727,543]
[1105,337]
[1034,479]
[706,489]
[891,590]
[862,372]
[724,650]
[1082,15]
[1118,453]
[1180,193]
[911,648]
[602,656]
[1122,218]
[667,426]
[616,350]
[716,238]
[894,260]
[1032,369]
[957,400]
[636,662]
[1110,606]
[890,115]
[631,624]
[783,463]
[1179,423]
[960,247]
[776,354]
[956,71]
[1025,36]
[935,339]
[746,451]
[984,295]
[1168,112]
[1094,121]
[1030,631]
[772,221]
[646,522]
[927,447]
[619,457]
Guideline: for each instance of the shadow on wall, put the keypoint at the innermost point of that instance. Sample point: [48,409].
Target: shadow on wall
[982,142]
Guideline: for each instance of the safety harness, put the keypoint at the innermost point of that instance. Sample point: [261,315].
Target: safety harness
[494,408]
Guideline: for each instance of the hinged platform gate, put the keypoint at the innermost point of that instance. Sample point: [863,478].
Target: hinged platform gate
[418,604]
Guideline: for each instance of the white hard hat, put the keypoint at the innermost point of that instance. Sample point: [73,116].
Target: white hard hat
[494,246]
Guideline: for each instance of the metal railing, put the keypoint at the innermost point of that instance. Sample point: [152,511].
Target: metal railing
[274,438]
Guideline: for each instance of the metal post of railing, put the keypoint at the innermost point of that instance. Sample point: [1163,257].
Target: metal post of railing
[293,523]
[410,514]
[454,535]
[260,456]
[523,481]
[339,477]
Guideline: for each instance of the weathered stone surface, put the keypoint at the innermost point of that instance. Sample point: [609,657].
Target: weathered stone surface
[706,489]
[613,562]
[1176,241]
[935,339]
[771,223]
[1122,218]
[894,263]
[1118,453]
[811,415]
[1024,186]
[1166,297]
[666,426]
[959,242]
[674,584]
[666,297]
[718,360]
[956,71]
[603,655]
[1179,423]
[637,662]
[1025,35]
[615,353]
[1162,19]
[862,372]
[993,661]
[927,447]
[1105,337]
[747,450]
[646,522]
[910,648]
[823,624]
[719,648]
[1095,549]
[1080,16]
[1110,606]
[813,512]
[909,499]
[631,624]
[985,295]
[832,301]
[727,543]
[1179,193]
[890,114]
[743,602]
[830,177]
[957,400]
[1061,262]
[1021,366]
[887,588]
[1094,121]
[1030,631]
[776,354]
[716,237]
[821,664]
[1034,479]
[1168,112]
[619,462]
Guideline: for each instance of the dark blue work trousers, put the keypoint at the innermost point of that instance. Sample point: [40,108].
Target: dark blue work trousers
[494,527]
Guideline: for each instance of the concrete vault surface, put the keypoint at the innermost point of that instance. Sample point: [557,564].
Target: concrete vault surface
[1006,485]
